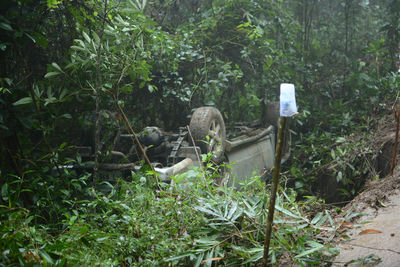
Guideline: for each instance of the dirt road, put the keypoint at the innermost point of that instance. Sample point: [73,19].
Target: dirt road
[374,239]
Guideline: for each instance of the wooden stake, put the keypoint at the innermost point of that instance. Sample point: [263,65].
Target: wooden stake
[275,180]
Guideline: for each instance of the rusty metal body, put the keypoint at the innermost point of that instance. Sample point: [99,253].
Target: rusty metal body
[250,152]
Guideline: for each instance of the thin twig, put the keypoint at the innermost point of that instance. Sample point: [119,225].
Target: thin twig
[136,139]
[198,158]
[115,91]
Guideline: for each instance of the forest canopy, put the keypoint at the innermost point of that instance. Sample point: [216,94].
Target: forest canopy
[66,63]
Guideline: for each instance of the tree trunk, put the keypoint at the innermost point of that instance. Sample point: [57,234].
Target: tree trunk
[97,96]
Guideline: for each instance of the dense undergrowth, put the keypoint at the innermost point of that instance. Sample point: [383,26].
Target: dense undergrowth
[181,224]
[343,149]
[132,222]
[67,61]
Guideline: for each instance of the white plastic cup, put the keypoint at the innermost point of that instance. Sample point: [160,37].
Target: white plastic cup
[288,106]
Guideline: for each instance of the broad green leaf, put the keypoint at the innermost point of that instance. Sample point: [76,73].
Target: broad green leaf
[315,247]
[63,93]
[333,154]
[23,101]
[55,65]
[237,215]
[299,227]
[67,116]
[340,140]
[96,38]
[86,36]
[5,26]
[330,218]
[174,258]
[53,3]
[273,257]
[258,254]
[78,48]
[50,100]
[316,218]
[250,212]
[49,92]
[207,242]
[40,39]
[29,219]
[322,221]
[206,260]
[4,90]
[339,176]
[126,89]
[8,81]
[100,239]
[51,74]
[199,259]
[233,210]
[287,212]
[46,257]
[277,220]
[95,48]
[352,215]
[70,65]
[210,212]
[4,192]
[226,208]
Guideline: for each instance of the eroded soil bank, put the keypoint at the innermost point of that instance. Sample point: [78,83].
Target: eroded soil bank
[373,237]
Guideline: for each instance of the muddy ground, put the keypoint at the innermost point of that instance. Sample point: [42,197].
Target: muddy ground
[372,239]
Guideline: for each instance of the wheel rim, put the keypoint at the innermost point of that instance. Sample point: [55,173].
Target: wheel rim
[215,134]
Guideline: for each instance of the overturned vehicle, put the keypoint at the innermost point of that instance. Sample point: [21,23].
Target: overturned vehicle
[248,148]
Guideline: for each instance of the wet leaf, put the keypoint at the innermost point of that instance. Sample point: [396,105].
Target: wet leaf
[347,224]
[23,101]
[56,66]
[6,26]
[314,247]
[212,259]
[381,203]
[51,74]
[86,36]
[46,257]
[370,231]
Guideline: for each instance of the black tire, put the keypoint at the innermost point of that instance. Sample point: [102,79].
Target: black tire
[208,121]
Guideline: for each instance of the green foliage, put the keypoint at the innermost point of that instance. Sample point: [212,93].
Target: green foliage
[160,59]
[337,155]
[370,259]
[181,224]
